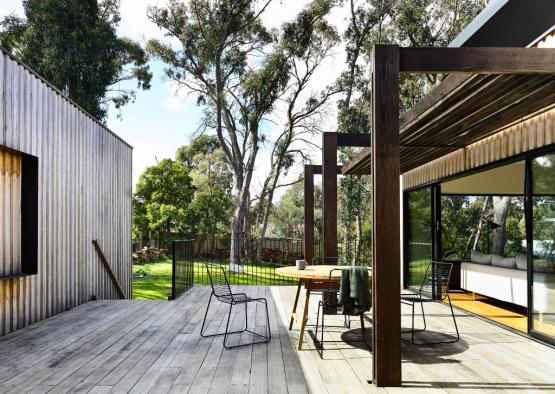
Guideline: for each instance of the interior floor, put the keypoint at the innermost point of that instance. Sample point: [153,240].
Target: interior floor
[510,315]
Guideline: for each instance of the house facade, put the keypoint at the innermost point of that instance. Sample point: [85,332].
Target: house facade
[65,180]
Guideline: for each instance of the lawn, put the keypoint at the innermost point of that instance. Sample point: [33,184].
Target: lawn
[157,284]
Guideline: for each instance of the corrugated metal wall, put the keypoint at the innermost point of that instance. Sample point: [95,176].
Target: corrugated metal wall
[84,194]
[530,134]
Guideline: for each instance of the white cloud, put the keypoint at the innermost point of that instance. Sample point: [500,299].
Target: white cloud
[134,22]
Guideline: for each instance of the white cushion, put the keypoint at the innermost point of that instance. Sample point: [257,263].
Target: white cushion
[504,262]
[504,284]
[480,258]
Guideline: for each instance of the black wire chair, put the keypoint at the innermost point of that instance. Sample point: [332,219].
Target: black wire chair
[328,302]
[222,292]
[434,288]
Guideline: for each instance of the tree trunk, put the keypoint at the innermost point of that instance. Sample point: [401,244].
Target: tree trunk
[501,207]
[247,231]
[358,243]
[480,223]
[235,247]
[268,207]
[347,254]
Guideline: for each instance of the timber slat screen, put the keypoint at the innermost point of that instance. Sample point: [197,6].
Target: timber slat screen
[183,263]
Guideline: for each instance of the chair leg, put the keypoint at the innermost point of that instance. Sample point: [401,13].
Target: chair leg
[322,335]
[412,330]
[246,316]
[317,320]
[347,321]
[205,315]
[227,327]
[454,320]
[423,315]
[268,331]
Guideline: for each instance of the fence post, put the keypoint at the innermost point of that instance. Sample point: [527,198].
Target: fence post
[172,296]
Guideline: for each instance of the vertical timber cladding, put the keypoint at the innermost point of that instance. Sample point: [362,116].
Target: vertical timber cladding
[527,135]
[84,193]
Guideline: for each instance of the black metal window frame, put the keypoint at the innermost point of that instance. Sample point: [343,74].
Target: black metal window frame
[436,209]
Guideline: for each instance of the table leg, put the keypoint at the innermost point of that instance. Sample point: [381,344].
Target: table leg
[305,315]
[293,313]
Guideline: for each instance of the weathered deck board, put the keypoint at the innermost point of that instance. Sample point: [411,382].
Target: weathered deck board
[155,346]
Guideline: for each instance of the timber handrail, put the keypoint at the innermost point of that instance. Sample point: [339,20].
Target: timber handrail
[108,269]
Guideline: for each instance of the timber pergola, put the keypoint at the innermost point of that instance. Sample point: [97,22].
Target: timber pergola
[309,171]
[329,171]
[487,88]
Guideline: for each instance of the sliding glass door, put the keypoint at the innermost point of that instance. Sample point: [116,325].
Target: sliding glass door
[542,259]
[418,206]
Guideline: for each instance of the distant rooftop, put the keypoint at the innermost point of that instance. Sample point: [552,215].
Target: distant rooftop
[508,23]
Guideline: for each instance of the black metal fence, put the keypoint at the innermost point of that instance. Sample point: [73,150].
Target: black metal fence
[183,263]
[259,259]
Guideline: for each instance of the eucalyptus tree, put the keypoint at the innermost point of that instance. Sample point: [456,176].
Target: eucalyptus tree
[369,23]
[74,45]
[235,67]
[430,23]
[417,23]
[309,40]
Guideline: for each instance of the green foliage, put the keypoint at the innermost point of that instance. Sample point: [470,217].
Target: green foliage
[74,46]
[428,23]
[199,146]
[287,217]
[210,208]
[460,219]
[237,70]
[162,199]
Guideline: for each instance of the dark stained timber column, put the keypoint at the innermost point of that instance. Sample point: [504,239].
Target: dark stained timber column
[386,217]
[309,213]
[329,196]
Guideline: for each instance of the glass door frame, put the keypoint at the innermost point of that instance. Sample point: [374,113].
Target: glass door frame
[435,187]
[435,210]
[528,207]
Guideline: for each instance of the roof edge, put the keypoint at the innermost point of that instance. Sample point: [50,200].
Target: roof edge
[477,23]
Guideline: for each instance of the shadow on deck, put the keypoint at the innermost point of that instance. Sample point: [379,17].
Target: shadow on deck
[155,346]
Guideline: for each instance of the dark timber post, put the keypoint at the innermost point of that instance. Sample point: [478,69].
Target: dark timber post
[309,213]
[329,196]
[386,217]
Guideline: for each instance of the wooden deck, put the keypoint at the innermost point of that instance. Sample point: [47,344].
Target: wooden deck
[154,346]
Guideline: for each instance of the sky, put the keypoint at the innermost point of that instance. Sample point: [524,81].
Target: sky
[162,119]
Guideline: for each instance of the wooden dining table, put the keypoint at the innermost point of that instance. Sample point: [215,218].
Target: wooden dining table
[313,277]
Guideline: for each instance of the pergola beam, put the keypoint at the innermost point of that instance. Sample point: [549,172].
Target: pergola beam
[309,212]
[318,169]
[309,171]
[386,245]
[354,139]
[329,197]
[477,60]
